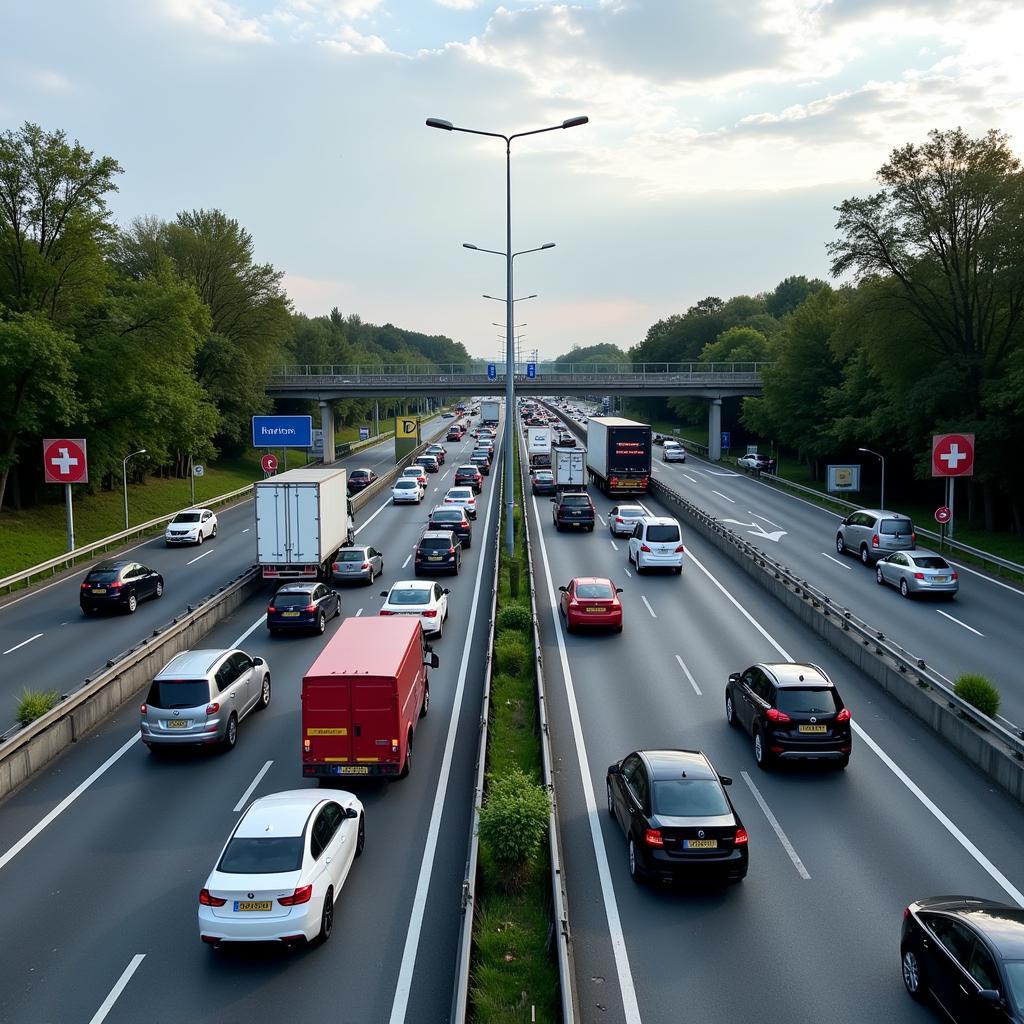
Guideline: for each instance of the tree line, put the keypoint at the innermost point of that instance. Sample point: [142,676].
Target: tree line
[157,335]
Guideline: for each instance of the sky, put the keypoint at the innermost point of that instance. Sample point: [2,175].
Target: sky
[721,136]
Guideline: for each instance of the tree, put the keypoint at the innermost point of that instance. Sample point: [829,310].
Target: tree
[789,293]
[737,345]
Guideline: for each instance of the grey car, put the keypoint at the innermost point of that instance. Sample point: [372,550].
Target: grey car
[623,518]
[199,697]
[361,563]
[918,572]
[874,533]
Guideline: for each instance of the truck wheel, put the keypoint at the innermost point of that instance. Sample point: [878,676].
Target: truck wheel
[425,707]
[407,767]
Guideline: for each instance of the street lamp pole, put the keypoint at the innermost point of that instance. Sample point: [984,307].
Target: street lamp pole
[878,455]
[124,480]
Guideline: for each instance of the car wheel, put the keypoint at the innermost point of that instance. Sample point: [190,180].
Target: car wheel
[321,623]
[159,592]
[231,734]
[426,701]
[618,629]
[133,603]
[87,611]
[457,567]
[679,570]
[840,546]
[904,589]
[611,803]
[264,693]
[879,578]
[730,711]
[590,528]
[273,631]
[760,751]
[199,539]
[440,628]
[407,767]
[865,558]
[635,871]
[214,532]
[841,764]
[913,973]
[337,609]
[361,836]
[327,917]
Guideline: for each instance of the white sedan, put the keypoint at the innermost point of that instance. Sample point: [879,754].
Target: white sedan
[463,496]
[282,868]
[416,473]
[674,452]
[192,526]
[427,601]
[407,489]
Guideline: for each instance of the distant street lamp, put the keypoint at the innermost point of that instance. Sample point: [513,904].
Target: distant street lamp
[124,480]
[877,455]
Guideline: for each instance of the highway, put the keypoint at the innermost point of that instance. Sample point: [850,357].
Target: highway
[110,883]
[34,626]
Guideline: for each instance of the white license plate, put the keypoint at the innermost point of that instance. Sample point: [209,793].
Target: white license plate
[940,579]
[99,590]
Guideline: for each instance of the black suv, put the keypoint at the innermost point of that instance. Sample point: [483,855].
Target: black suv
[438,551]
[573,508]
[453,518]
[305,606]
[119,584]
[793,711]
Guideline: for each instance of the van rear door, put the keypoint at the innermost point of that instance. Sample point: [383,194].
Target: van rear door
[327,722]
[375,724]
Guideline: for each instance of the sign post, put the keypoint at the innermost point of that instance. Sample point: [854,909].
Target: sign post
[65,462]
[942,516]
[952,456]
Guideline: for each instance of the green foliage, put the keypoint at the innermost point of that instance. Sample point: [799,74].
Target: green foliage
[737,345]
[514,817]
[510,653]
[34,703]
[514,617]
[979,692]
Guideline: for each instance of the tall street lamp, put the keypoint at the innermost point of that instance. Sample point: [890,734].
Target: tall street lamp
[572,122]
[877,455]
[124,480]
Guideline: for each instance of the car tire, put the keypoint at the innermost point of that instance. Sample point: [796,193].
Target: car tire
[213,534]
[865,556]
[159,592]
[913,973]
[264,702]
[361,836]
[904,589]
[618,629]
[879,578]
[590,528]
[440,628]
[608,793]
[407,767]
[425,707]
[840,545]
[679,570]
[199,539]
[417,573]
[231,733]
[87,611]
[133,603]
[730,710]
[760,751]
[841,764]
[327,917]
[635,871]
[321,623]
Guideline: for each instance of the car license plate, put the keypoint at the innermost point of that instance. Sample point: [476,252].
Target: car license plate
[940,579]
[178,723]
[595,609]
[99,590]
[290,615]
[352,769]
[433,558]
[700,844]
[813,728]
[242,906]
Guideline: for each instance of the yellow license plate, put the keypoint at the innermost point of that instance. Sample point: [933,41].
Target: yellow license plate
[290,615]
[814,728]
[178,723]
[99,590]
[595,609]
[700,844]
[940,579]
[353,769]
[242,906]
[433,558]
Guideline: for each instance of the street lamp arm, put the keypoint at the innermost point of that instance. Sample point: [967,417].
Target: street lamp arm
[569,122]
[539,248]
[480,248]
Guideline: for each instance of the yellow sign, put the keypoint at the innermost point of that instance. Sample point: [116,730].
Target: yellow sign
[844,476]
[407,426]
[327,732]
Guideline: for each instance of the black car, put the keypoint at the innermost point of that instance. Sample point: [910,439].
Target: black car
[968,955]
[677,817]
[469,476]
[119,584]
[543,482]
[792,711]
[438,551]
[453,518]
[482,461]
[360,479]
[305,606]
[573,508]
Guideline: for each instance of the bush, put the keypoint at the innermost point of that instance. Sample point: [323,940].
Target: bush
[514,820]
[513,576]
[34,703]
[978,692]
[515,617]
[510,653]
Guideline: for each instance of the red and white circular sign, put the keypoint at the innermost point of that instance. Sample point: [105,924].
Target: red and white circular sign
[269,463]
[943,515]
[64,460]
[953,455]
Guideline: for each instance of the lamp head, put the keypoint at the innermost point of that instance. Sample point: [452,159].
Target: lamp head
[468,245]
[437,122]
[571,122]
[548,245]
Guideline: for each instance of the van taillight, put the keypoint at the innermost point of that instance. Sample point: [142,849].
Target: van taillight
[143,709]
[874,540]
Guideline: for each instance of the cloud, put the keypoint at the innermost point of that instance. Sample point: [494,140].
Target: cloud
[217,18]
[50,80]
[348,41]
[459,5]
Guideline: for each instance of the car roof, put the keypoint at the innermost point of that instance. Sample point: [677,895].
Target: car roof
[437,535]
[194,508]
[405,479]
[592,579]
[923,553]
[362,469]
[297,588]
[797,674]
[660,520]
[447,509]
[467,466]
[670,764]
[1001,924]
[412,585]
[462,487]
[112,564]
[883,513]
[193,663]
[282,814]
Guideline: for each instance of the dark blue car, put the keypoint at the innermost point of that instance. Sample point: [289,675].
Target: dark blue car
[302,606]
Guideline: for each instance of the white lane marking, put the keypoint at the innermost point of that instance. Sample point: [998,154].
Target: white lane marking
[252,785]
[844,565]
[66,802]
[998,583]
[252,629]
[23,642]
[763,520]
[358,613]
[721,495]
[360,529]
[953,618]
[203,555]
[628,573]
[718,472]
[246,530]
[419,904]
[758,531]
[435,488]
[649,608]
[610,541]
[126,975]
[774,822]
[693,682]
[601,517]
[630,1007]
[993,872]
[692,479]
[407,560]
[445,473]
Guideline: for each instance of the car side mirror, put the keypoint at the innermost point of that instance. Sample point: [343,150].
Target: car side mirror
[258,661]
[725,780]
[564,590]
[446,591]
[435,661]
[614,769]
[989,997]
[618,590]
[351,812]
[734,677]
[554,501]
[383,593]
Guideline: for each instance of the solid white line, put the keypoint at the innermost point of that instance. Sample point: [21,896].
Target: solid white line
[445,473]
[958,622]
[360,529]
[419,904]
[601,517]
[981,575]
[66,802]
[627,572]
[721,495]
[610,541]
[358,613]
[246,530]
[252,629]
[774,822]
[407,560]
[252,785]
[630,1007]
[763,520]
[203,555]
[836,560]
[693,682]
[649,608]
[692,479]
[23,642]
[101,1014]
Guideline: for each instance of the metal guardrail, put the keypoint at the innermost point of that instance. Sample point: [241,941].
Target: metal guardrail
[542,369]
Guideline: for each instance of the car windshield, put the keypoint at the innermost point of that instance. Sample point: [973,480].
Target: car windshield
[171,694]
[593,590]
[292,600]
[1015,977]
[575,500]
[462,494]
[262,856]
[435,544]
[689,798]
[187,517]
[663,534]
[896,526]
[930,562]
[412,471]
[807,701]
[102,576]
[351,555]
[410,596]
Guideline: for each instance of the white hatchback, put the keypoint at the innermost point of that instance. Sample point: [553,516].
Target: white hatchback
[427,601]
[463,496]
[657,543]
[192,526]
[407,489]
[282,869]
[674,452]
[623,519]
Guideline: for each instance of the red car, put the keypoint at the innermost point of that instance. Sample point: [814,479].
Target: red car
[591,601]
[469,476]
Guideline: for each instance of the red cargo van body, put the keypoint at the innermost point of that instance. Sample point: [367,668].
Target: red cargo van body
[362,697]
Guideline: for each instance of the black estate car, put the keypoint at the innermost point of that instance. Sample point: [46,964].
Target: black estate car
[573,508]
[438,551]
[119,584]
[453,518]
[303,606]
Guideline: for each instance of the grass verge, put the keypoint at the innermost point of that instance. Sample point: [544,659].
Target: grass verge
[513,976]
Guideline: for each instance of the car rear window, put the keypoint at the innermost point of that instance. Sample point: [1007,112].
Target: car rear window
[359,474]
[543,477]
[630,511]
[593,590]
[171,694]
[468,470]
[102,576]
[187,517]
[407,483]
[262,856]
[895,526]
[351,555]
[292,600]
[452,515]
[663,534]
[409,597]
[689,798]
[807,701]
[461,494]
[435,544]
[575,500]
[931,562]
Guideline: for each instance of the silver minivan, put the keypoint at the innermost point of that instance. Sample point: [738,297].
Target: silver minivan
[874,533]
[199,697]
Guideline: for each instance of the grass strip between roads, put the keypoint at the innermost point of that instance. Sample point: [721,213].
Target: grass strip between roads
[514,976]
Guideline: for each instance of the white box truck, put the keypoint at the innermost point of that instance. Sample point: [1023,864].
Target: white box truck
[569,467]
[302,521]
[490,412]
[538,447]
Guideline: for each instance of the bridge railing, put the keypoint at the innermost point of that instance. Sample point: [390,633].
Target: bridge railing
[555,372]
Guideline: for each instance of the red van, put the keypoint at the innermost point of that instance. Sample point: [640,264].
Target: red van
[362,697]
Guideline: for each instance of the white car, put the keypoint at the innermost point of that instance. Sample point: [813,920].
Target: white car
[417,473]
[674,452]
[463,496]
[282,869]
[407,489]
[657,542]
[192,526]
[623,518]
[428,601]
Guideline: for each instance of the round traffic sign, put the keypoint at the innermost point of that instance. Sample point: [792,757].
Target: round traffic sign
[64,460]
[943,515]
[269,463]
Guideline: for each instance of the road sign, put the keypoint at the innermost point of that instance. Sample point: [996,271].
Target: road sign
[492,371]
[198,470]
[364,433]
[64,460]
[406,426]
[282,431]
[943,515]
[726,439]
[269,463]
[953,455]
[841,479]
[531,371]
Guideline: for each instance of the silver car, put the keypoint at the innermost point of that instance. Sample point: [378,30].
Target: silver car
[918,572]
[674,452]
[199,697]
[363,563]
[623,518]
[874,533]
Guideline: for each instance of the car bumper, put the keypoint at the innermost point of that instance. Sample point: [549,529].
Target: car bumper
[659,864]
[304,921]
[446,566]
[815,750]
[921,587]
[576,522]
[344,771]
[212,733]
[194,539]
[612,621]
[305,622]
[348,577]
[652,561]
[622,529]
[95,604]
[405,499]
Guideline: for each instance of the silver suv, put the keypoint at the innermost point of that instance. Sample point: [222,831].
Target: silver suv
[874,533]
[199,697]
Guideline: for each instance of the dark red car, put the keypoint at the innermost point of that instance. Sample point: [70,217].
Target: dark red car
[360,479]
[591,601]
[469,476]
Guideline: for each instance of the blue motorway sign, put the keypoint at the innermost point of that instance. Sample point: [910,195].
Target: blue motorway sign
[726,439]
[531,370]
[364,433]
[492,371]
[282,431]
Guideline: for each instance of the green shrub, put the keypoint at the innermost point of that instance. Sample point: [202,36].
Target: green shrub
[510,653]
[979,692]
[515,617]
[514,821]
[513,576]
[34,703]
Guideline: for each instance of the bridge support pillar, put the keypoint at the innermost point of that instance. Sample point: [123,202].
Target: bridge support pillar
[715,430]
[327,425]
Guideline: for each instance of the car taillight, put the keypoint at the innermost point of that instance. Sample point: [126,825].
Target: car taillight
[271,610]
[954,576]
[143,710]
[918,575]
[741,837]
[212,709]
[365,565]
[653,837]
[644,547]
[844,715]
[874,540]
[451,551]
[384,611]
[207,900]
[680,549]
[116,585]
[301,895]
[775,715]
[310,608]
[85,585]
[913,537]
[619,519]
[906,913]
[431,613]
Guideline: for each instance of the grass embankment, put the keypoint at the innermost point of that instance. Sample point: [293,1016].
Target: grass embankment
[513,972]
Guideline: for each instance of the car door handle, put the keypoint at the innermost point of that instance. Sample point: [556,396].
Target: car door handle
[327,860]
